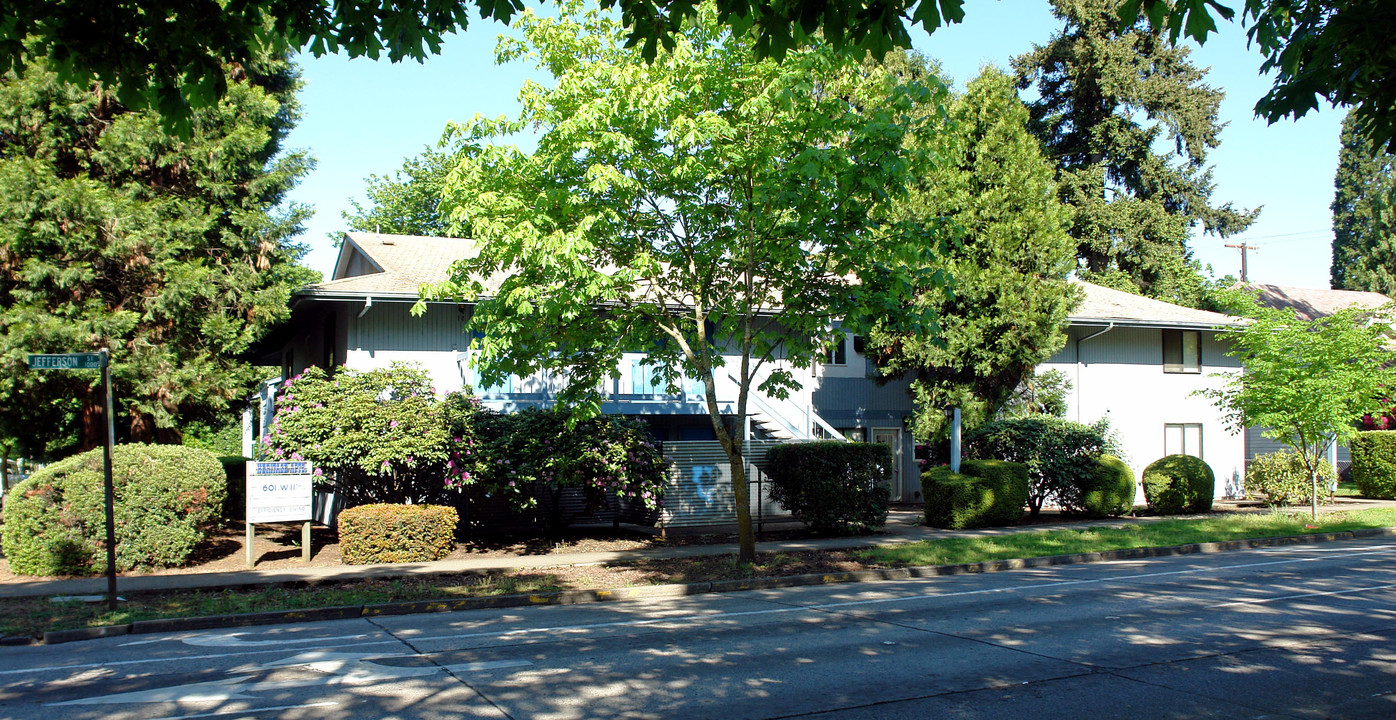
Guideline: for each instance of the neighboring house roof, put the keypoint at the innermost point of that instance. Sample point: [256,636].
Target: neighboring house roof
[383,265]
[1314,303]
[1104,306]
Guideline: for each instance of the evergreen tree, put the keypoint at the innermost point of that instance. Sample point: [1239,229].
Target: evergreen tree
[1364,234]
[1007,303]
[170,251]
[408,202]
[1107,97]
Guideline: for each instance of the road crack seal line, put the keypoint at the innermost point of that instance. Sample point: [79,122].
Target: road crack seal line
[444,668]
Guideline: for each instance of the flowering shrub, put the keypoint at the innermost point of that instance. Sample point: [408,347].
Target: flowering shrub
[532,457]
[374,436]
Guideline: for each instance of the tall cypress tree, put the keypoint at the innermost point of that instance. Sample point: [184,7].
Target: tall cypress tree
[174,252]
[1107,96]
[1364,231]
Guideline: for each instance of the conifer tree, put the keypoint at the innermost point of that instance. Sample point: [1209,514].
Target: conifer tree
[1107,97]
[1364,229]
[171,251]
[1007,303]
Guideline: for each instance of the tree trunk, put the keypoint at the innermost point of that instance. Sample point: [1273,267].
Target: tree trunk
[741,494]
[1313,498]
[94,431]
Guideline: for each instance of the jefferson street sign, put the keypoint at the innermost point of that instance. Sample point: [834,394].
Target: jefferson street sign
[70,361]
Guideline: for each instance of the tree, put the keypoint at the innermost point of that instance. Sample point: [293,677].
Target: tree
[1307,383]
[172,252]
[1135,207]
[1364,238]
[708,208]
[408,203]
[1005,310]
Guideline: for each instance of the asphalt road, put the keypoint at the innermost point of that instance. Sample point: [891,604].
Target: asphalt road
[1298,631]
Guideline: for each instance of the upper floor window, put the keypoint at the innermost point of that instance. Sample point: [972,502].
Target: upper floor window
[838,354]
[1182,351]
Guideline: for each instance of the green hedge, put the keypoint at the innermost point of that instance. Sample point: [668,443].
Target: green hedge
[1282,478]
[1109,491]
[165,496]
[1374,463]
[834,487]
[396,533]
[235,467]
[983,493]
[1178,484]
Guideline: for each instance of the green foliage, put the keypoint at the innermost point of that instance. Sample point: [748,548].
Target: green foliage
[383,533]
[373,436]
[1061,455]
[222,438]
[165,495]
[1283,479]
[746,192]
[1374,463]
[534,456]
[1111,490]
[836,488]
[1364,228]
[408,203]
[984,493]
[1108,95]
[1307,383]
[1178,484]
[1006,309]
[176,254]
[1038,394]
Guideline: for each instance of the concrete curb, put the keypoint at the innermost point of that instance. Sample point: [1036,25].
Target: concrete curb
[577,597]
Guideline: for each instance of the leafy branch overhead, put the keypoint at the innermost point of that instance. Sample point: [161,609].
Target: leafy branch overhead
[169,54]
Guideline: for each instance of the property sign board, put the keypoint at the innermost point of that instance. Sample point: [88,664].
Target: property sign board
[278,491]
[67,361]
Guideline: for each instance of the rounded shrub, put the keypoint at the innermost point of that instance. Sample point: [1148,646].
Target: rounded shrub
[1283,480]
[1109,490]
[1374,463]
[833,487]
[165,496]
[984,493]
[1178,484]
[1060,455]
[386,533]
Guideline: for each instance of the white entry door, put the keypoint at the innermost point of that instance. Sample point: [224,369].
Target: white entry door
[892,438]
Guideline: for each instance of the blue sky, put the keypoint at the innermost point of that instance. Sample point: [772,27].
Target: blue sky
[361,117]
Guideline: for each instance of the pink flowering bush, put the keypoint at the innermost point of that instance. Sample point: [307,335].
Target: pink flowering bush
[374,436]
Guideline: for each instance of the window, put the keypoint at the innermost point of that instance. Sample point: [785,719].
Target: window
[1182,439]
[1182,351]
[838,354]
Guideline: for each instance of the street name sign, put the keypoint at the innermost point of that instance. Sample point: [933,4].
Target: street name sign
[67,361]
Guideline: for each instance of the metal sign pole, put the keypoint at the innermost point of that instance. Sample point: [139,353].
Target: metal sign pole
[109,489]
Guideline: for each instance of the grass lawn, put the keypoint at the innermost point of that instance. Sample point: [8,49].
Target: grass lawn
[33,616]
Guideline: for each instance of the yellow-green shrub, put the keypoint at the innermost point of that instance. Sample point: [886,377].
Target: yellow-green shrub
[165,496]
[396,533]
[983,493]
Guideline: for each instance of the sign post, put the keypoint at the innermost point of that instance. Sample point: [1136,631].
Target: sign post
[100,360]
[279,492]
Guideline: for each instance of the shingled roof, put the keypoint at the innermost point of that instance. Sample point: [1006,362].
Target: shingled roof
[390,265]
[1314,303]
[1103,306]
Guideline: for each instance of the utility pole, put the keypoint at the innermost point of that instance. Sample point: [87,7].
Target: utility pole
[1243,247]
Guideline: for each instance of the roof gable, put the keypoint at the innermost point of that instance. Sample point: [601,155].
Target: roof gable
[1314,303]
[1102,305]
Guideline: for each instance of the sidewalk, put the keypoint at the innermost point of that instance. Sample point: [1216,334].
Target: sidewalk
[902,527]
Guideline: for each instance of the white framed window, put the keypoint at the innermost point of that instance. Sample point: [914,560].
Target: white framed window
[1182,439]
[838,354]
[1182,351]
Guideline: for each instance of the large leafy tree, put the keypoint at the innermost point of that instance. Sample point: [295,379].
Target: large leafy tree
[406,203]
[709,208]
[172,252]
[1307,382]
[169,54]
[1004,312]
[1108,98]
[1364,221]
